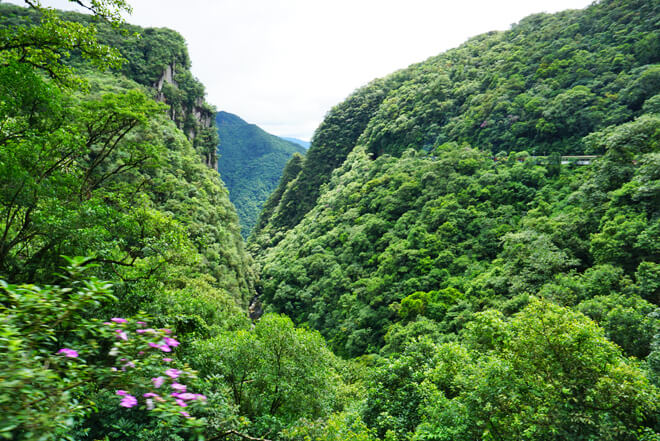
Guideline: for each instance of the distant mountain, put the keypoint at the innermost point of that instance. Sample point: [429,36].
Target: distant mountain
[251,163]
[305,144]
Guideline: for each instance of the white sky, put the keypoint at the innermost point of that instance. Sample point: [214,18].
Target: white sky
[282,64]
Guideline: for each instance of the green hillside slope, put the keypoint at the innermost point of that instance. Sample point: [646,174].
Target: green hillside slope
[429,218]
[539,87]
[251,164]
[118,169]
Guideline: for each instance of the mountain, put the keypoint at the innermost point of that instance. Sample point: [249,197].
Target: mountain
[481,280]
[438,231]
[251,163]
[539,87]
[300,142]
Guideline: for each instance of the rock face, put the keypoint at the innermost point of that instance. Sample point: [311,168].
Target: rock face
[191,114]
[166,77]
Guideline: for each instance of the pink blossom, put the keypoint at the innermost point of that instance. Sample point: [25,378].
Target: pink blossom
[200,397]
[185,414]
[123,393]
[167,360]
[187,396]
[179,387]
[171,342]
[107,323]
[166,331]
[121,335]
[113,369]
[128,401]
[162,347]
[118,320]
[150,395]
[181,402]
[158,381]
[145,331]
[70,353]
[173,373]
[141,323]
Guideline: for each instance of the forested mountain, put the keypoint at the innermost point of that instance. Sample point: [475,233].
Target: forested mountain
[251,163]
[539,87]
[455,271]
[300,142]
[439,221]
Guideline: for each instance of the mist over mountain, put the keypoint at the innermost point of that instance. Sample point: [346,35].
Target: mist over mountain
[300,142]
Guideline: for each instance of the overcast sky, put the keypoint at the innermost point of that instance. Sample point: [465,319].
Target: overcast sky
[282,64]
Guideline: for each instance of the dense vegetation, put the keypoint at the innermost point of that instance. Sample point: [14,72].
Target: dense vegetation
[539,87]
[434,222]
[476,284]
[251,163]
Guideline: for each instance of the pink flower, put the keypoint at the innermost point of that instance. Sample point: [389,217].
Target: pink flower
[128,401]
[121,334]
[173,373]
[167,360]
[187,396]
[181,402]
[70,353]
[179,387]
[166,331]
[113,369]
[185,414]
[118,320]
[150,395]
[145,331]
[200,397]
[171,342]
[141,323]
[107,323]
[158,381]
[123,393]
[162,347]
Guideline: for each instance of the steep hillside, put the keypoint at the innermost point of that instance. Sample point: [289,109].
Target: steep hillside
[429,215]
[251,163]
[161,161]
[539,87]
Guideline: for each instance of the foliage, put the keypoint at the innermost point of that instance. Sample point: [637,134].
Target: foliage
[276,373]
[547,373]
[52,353]
[539,87]
[46,45]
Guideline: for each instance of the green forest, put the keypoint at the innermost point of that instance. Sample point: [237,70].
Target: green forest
[469,250]
[251,163]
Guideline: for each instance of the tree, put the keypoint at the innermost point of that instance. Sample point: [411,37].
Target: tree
[548,373]
[276,373]
[46,46]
